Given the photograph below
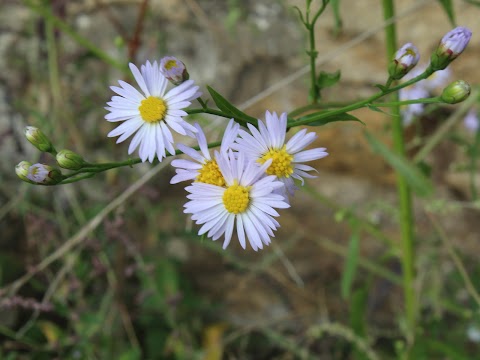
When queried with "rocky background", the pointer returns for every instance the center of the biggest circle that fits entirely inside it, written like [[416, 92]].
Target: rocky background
[[248, 51]]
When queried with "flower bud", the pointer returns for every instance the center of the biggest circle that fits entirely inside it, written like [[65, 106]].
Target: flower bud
[[38, 139], [174, 70], [67, 159], [404, 60], [456, 92], [22, 170], [451, 45], [44, 174]]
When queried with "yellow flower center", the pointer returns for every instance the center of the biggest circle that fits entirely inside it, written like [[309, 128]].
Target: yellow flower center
[[281, 164], [236, 198], [210, 174], [170, 64], [152, 109]]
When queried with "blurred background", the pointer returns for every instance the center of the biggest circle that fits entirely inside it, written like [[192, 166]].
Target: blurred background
[[111, 268]]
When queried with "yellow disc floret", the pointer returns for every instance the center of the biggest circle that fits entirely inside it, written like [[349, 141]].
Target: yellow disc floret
[[152, 109], [170, 64], [282, 162], [210, 174], [236, 198]]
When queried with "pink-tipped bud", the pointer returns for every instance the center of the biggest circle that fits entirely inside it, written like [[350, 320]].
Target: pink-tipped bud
[[404, 60], [451, 45], [44, 174], [174, 70]]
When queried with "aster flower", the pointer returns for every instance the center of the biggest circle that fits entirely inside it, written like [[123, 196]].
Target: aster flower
[[268, 142], [204, 168], [247, 202], [150, 115]]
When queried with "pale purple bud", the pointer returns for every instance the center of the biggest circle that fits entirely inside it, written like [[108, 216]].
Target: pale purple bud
[[451, 45], [404, 60], [174, 70], [44, 174]]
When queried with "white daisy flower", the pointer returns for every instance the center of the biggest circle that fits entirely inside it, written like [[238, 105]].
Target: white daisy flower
[[204, 168], [152, 114], [268, 142], [247, 201]]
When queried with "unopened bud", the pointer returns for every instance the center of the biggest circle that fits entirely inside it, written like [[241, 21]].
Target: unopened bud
[[404, 60], [451, 45], [67, 159], [38, 139], [174, 70], [44, 174], [456, 92], [22, 170]]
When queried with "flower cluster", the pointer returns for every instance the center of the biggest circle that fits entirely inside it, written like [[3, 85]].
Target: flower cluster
[[244, 183]]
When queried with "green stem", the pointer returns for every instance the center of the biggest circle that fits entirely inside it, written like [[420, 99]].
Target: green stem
[[473, 165], [45, 12], [359, 104], [404, 193], [312, 52], [90, 169], [434, 100]]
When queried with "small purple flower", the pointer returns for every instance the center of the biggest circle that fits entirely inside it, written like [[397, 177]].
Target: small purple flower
[[174, 70], [471, 121], [404, 60], [454, 42], [451, 45]]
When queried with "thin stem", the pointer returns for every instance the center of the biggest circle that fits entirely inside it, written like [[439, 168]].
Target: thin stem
[[91, 169], [404, 193], [473, 165], [359, 104], [312, 52]]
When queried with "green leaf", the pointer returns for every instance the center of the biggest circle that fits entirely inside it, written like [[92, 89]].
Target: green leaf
[[224, 105], [333, 118], [414, 177], [336, 14], [326, 79], [448, 7], [377, 109], [351, 262]]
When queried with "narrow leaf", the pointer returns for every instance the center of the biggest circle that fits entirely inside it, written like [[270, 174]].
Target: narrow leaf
[[224, 105], [448, 7], [333, 118], [351, 262], [336, 14], [414, 177]]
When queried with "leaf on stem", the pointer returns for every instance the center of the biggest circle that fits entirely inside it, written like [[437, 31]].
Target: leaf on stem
[[228, 108], [327, 120], [326, 79]]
